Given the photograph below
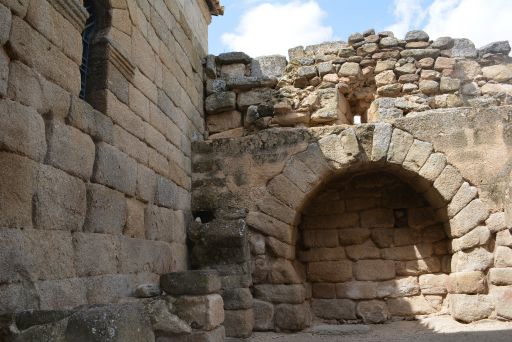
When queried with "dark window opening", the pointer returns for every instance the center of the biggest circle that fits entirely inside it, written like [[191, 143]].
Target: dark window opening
[[87, 36]]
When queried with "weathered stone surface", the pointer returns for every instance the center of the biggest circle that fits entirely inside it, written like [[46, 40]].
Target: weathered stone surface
[[366, 250], [197, 282], [253, 97], [381, 139], [409, 306], [477, 259], [106, 210], [201, 312], [334, 308], [467, 282], [170, 195], [292, 317], [503, 257], [501, 296], [233, 58], [499, 73], [433, 167], [357, 290], [117, 322], [417, 155], [223, 121], [416, 36], [463, 48], [470, 308], [496, 222], [270, 226], [429, 87], [95, 254], [374, 270], [464, 195], [350, 236], [164, 224], [399, 287], [468, 218], [449, 84], [400, 143], [340, 150], [269, 66], [433, 284], [373, 311], [418, 54], [448, 182], [263, 315], [115, 169], [148, 291], [504, 238], [330, 271], [237, 298], [238, 323], [292, 294], [220, 102], [22, 130], [60, 201], [477, 237], [384, 78], [350, 69]]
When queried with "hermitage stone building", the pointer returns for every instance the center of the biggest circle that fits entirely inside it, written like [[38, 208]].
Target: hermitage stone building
[[152, 192]]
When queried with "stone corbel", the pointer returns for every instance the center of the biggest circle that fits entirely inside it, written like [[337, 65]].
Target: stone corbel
[[118, 58], [73, 11]]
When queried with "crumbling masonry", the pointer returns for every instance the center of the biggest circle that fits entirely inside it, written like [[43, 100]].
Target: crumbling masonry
[[150, 191]]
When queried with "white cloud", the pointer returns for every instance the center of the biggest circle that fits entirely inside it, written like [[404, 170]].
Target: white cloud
[[409, 14], [272, 28], [482, 21]]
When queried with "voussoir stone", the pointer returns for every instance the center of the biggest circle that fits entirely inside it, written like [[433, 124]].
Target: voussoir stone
[[468, 218]]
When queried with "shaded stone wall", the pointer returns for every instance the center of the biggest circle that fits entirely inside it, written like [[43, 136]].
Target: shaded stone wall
[[373, 248], [95, 200], [375, 75]]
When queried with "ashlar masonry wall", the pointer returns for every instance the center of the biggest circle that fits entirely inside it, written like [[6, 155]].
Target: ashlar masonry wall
[[95, 197]]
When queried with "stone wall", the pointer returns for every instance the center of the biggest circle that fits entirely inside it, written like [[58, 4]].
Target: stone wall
[[95, 198], [273, 179], [373, 246], [375, 75]]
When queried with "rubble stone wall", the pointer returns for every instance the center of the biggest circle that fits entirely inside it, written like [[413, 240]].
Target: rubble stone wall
[[95, 197], [375, 75]]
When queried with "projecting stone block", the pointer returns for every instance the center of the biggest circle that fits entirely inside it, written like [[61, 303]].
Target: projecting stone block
[[22, 130], [201, 312], [18, 177], [190, 282], [114, 169], [70, 150], [374, 270], [106, 210], [60, 200], [339, 309], [470, 308]]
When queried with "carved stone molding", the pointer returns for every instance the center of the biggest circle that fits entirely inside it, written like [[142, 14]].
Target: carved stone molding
[[73, 11], [118, 58]]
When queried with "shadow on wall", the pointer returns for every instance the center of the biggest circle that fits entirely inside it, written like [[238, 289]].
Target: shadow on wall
[[373, 248]]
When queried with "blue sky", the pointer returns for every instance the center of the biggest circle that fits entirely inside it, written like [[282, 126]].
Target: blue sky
[[262, 27]]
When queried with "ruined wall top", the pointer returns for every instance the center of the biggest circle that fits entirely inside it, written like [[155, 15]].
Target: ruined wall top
[[372, 77]]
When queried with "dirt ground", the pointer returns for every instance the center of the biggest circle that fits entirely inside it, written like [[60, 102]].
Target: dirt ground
[[440, 328]]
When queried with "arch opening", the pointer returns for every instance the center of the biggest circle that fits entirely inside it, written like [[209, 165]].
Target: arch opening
[[373, 248]]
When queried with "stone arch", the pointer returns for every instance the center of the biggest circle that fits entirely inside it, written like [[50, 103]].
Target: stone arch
[[366, 147]]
